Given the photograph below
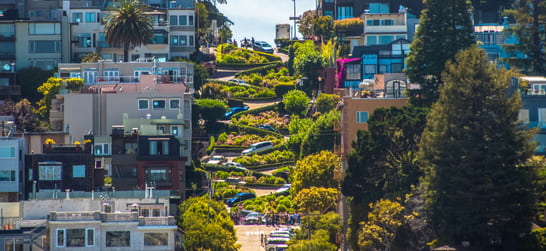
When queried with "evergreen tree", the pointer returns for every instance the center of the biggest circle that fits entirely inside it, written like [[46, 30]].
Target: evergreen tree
[[530, 16], [444, 29], [474, 150]]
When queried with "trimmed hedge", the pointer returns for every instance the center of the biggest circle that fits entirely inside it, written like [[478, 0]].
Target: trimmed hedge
[[272, 165], [274, 107], [283, 88], [211, 145], [262, 70], [242, 66], [253, 130]]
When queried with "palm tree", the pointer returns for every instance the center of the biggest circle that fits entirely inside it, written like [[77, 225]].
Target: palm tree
[[128, 25]]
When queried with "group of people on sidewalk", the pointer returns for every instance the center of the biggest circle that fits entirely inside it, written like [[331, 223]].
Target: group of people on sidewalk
[[245, 43]]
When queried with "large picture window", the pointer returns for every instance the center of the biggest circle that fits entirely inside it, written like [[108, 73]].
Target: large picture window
[[361, 117], [158, 174], [353, 71], [7, 175], [118, 238], [156, 239], [78, 171], [50, 170], [7, 152]]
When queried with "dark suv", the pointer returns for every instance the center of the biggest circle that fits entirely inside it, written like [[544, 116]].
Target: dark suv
[[240, 197]]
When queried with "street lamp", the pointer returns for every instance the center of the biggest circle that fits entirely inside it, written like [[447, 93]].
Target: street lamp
[[294, 17]]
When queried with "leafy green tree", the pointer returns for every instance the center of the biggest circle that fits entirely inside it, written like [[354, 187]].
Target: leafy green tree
[[127, 25], [444, 29], [327, 102], [323, 28], [296, 102], [206, 12], [206, 225], [49, 90], [211, 110], [24, 115], [474, 152], [383, 163], [298, 129], [317, 232], [384, 220], [319, 241], [307, 21], [316, 199], [30, 79], [322, 136], [308, 62], [530, 16], [316, 170]]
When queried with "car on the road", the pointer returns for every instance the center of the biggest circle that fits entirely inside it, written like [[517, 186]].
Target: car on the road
[[267, 127], [262, 46], [284, 189], [217, 160], [235, 165], [238, 81], [234, 110], [239, 197], [256, 147], [254, 218]]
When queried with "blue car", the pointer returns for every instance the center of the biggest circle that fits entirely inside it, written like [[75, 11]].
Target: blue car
[[240, 197], [234, 110]]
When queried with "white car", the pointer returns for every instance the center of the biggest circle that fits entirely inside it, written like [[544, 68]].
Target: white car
[[235, 165], [284, 188], [217, 159]]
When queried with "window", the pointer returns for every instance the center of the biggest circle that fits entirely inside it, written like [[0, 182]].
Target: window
[[176, 131], [158, 104], [49, 171], [344, 12], [84, 40], [329, 13], [159, 38], [524, 115], [89, 237], [91, 17], [75, 237], [159, 147], [61, 237], [118, 238], [78, 171], [8, 175], [44, 46], [361, 117], [156, 239], [158, 174], [542, 116], [13, 244], [382, 68], [174, 104], [143, 104], [372, 22], [44, 29], [182, 20], [77, 17], [190, 40], [387, 22], [370, 69], [386, 39], [181, 41], [371, 40], [7, 152], [102, 149], [353, 71], [190, 20], [396, 68], [173, 20]]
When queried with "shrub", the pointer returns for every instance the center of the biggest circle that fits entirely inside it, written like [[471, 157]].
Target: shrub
[[266, 93], [283, 88], [211, 145]]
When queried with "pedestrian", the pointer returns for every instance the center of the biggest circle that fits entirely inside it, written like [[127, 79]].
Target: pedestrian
[[235, 42], [252, 42]]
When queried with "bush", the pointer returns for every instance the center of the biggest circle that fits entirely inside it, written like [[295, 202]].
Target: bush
[[262, 70], [211, 145], [266, 93], [283, 88]]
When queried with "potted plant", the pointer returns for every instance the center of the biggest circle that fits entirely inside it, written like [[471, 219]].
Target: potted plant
[[49, 143], [77, 144]]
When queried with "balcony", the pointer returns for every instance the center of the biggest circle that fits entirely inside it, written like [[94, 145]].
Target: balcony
[[157, 221], [74, 216], [119, 217], [385, 29]]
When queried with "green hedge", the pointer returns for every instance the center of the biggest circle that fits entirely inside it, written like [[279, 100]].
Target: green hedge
[[253, 130], [262, 70], [211, 145], [257, 111], [272, 165], [229, 148], [242, 66], [282, 88]]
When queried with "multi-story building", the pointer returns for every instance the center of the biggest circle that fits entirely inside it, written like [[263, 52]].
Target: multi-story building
[[12, 165], [145, 98], [173, 30]]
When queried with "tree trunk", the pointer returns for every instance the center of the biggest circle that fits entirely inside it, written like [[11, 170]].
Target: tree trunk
[[126, 52]]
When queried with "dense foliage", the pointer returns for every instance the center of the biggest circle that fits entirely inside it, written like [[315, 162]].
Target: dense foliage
[[296, 102], [316, 170], [474, 152]]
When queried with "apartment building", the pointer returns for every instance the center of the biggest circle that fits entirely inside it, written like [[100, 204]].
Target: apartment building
[[12, 163]]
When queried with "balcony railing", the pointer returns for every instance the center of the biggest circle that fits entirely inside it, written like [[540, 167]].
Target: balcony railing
[[156, 221], [74, 216], [117, 217]]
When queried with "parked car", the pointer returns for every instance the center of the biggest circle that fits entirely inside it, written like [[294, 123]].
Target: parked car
[[235, 165], [239, 197], [262, 46], [217, 160], [234, 110], [256, 147], [267, 127]]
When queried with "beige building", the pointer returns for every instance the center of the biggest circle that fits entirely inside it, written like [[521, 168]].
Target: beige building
[[115, 92]]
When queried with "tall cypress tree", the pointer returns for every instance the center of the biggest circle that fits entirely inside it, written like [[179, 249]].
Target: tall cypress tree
[[530, 16], [444, 29], [473, 151]]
